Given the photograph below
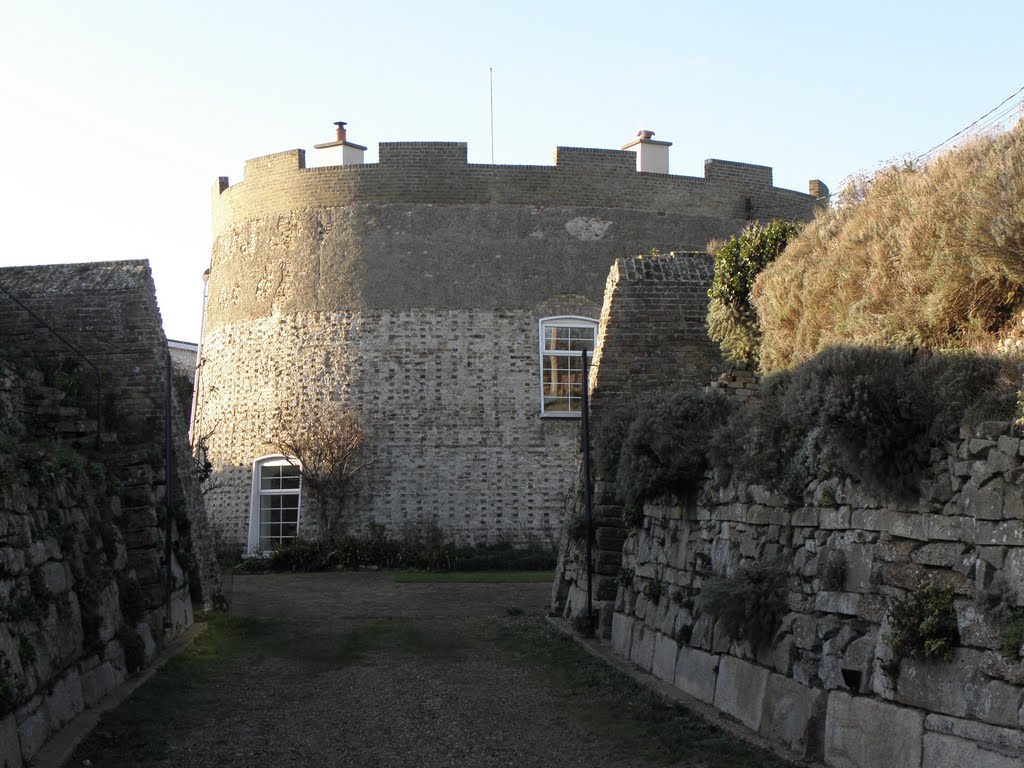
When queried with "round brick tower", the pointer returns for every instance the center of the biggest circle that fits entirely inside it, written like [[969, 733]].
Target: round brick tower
[[418, 293]]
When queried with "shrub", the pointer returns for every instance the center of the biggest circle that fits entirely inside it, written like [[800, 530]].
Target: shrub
[[652, 590], [732, 321], [871, 414], [928, 256], [749, 604], [379, 550], [633, 516], [923, 623], [665, 450]]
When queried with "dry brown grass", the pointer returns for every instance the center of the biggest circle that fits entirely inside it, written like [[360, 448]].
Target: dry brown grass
[[929, 256]]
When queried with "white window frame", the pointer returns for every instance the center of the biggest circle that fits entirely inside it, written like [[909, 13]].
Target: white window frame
[[561, 321], [272, 460]]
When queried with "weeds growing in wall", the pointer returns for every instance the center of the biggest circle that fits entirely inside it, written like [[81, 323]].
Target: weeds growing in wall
[[927, 256], [749, 604], [923, 623]]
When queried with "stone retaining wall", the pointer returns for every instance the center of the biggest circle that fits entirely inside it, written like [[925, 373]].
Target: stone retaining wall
[[828, 685], [84, 593]]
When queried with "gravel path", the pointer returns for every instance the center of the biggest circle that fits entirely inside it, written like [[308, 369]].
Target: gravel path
[[471, 708]]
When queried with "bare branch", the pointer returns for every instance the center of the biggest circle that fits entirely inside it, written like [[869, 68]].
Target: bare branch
[[327, 444]]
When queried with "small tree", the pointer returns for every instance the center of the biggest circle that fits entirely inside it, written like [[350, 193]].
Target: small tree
[[732, 320], [328, 447]]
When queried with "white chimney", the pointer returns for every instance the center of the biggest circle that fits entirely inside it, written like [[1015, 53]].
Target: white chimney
[[341, 151], [651, 155]]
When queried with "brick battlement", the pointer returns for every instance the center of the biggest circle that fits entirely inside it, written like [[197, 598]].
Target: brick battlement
[[439, 173]]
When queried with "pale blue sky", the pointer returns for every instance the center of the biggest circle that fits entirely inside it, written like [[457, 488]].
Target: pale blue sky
[[117, 117]]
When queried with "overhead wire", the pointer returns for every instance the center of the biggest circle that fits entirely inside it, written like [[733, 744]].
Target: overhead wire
[[991, 118]]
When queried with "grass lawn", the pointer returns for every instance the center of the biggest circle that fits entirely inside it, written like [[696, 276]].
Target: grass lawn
[[483, 577], [240, 664]]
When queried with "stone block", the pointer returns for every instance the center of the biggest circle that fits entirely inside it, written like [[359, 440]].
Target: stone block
[[97, 683], [696, 673], [740, 691], [951, 688], [868, 733], [1013, 570], [951, 528], [641, 648], [66, 700], [663, 665], [10, 747], [982, 503], [805, 517], [1008, 445], [1006, 740], [794, 715], [941, 751], [859, 560], [909, 525], [33, 728], [834, 519], [54, 577], [1009, 533], [942, 553], [703, 632], [12, 561], [837, 602], [1000, 703], [980, 446], [1013, 504]]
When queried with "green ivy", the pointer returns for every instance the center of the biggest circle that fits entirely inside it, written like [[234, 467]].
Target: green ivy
[[923, 623], [732, 320]]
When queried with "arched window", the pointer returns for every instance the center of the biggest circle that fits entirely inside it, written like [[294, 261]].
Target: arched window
[[562, 339], [276, 497]]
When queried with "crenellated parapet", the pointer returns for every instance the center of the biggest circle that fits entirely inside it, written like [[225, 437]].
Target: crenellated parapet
[[439, 173]]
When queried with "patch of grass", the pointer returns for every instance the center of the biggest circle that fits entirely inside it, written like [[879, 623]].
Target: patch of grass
[[639, 723], [482, 577], [201, 686], [183, 694]]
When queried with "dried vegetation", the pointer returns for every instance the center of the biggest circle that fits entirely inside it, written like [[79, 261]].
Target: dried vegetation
[[928, 256]]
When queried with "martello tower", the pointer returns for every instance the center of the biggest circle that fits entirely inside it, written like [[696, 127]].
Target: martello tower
[[439, 301]]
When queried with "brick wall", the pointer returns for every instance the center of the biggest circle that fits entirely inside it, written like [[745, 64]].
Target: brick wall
[[410, 291], [652, 336]]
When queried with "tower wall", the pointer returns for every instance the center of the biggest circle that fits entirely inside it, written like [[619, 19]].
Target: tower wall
[[410, 292]]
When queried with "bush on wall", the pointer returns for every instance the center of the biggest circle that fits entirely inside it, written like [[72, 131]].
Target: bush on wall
[[732, 320], [870, 414], [665, 448], [749, 604]]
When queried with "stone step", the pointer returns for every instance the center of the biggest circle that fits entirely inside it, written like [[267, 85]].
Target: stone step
[[51, 408]]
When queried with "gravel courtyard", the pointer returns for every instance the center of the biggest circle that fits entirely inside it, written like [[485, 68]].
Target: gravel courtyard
[[352, 669]]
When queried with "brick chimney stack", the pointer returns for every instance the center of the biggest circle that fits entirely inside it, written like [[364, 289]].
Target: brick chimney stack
[[341, 151], [651, 155]]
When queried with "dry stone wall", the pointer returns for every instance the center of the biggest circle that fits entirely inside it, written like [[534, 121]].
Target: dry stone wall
[[410, 292], [828, 684], [83, 503]]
